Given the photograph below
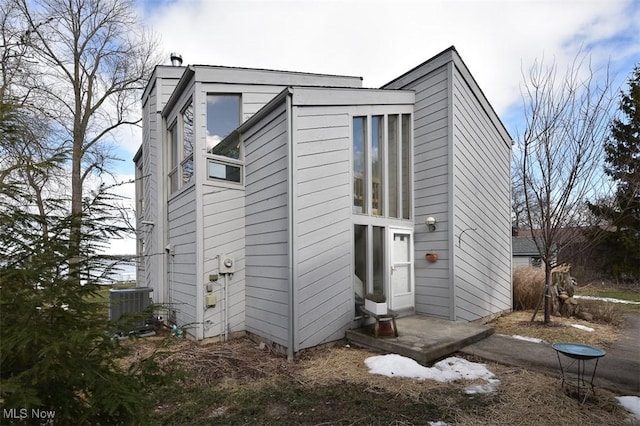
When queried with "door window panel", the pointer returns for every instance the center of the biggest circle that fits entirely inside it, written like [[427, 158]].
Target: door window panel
[[401, 254]]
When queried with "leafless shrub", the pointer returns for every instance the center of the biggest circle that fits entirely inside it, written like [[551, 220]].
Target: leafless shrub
[[604, 312]]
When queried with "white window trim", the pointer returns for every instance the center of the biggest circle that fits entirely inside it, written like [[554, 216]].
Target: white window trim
[[368, 115]]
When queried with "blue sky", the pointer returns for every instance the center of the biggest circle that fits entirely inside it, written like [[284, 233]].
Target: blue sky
[[379, 40]]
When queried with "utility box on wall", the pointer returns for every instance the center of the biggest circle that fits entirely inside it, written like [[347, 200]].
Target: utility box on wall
[[227, 264]]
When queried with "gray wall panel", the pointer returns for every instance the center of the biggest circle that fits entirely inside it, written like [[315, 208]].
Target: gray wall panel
[[266, 183]]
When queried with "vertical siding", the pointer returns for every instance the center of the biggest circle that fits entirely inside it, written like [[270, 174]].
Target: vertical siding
[[431, 191], [322, 214], [150, 188], [482, 216], [266, 227], [182, 265], [223, 226]]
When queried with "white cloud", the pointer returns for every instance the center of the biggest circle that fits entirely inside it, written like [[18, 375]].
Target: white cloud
[[380, 40]]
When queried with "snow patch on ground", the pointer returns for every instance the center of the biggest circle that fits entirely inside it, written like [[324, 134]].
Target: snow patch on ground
[[631, 404], [583, 327], [607, 299], [447, 370], [528, 339]]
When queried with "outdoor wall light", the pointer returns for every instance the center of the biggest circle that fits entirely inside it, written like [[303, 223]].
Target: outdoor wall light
[[431, 223]]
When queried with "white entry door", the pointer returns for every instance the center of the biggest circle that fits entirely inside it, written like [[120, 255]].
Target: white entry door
[[401, 261]]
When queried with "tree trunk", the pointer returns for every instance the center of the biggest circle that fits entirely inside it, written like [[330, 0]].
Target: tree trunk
[[75, 227], [547, 292]]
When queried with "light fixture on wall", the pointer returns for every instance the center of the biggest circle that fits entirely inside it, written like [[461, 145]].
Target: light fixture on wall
[[431, 223]]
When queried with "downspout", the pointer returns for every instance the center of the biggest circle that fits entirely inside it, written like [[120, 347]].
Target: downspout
[[292, 310]]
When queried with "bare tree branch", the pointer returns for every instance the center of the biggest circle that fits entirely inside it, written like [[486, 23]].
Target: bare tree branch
[[560, 156]]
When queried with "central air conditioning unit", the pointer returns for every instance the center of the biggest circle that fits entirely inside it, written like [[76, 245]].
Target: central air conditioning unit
[[129, 301]]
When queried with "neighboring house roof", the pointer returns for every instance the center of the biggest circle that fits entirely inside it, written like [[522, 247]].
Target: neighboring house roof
[[524, 246]]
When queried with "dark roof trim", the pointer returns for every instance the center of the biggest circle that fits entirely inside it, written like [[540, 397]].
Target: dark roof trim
[[428, 61], [177, 92], [137, 155], [274, 70]]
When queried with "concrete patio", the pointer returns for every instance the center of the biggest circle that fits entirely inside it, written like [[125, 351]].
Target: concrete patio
[[422, 338]]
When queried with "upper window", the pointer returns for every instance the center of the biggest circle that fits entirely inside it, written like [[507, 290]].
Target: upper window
[[173, 158], [139, 191], [377, 164], [382, 165], [223, 117], [187, 144], [359, 164], [180, 150]]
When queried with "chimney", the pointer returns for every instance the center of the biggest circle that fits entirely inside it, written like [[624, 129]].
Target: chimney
[[176, 59]]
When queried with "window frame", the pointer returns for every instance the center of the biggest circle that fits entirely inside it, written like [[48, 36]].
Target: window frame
[[173, 157], [232, 137], [402, 157], [225, 137], [186, 159], [177, 161]]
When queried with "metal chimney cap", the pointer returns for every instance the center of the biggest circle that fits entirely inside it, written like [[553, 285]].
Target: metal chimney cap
[[176, 59]]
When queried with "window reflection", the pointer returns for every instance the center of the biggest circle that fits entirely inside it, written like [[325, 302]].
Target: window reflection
[[223, 116], [187, 144], [406, 166], [393, 165], [359, 164], [377, 164], [360, 260]]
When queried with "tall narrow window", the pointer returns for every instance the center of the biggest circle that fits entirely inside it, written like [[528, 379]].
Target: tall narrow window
[[377, 163], [173, 158], [359, 165], [406, 165], [187, 144], [393, 165], [360, 260], [378, 260], [139, 191], [223, 117]]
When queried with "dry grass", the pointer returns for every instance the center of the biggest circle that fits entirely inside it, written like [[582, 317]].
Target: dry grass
[[559, 330], [247, 370], [205, 364], [523, 397], [528, 285]]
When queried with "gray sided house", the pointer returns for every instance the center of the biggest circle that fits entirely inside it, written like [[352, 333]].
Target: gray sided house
[[318, 191]]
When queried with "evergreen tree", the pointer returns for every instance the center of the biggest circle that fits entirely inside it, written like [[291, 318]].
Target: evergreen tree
[[57, 351], [620, 245]]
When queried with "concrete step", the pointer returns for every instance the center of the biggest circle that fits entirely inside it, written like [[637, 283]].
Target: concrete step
[[422, 338]]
